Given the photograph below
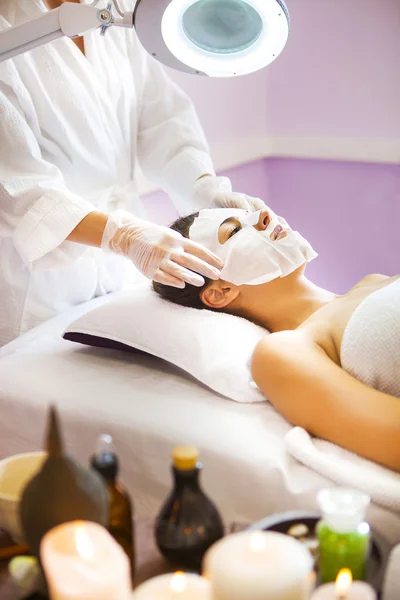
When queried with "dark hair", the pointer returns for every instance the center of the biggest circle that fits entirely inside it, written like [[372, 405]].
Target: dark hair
[[190, 294]]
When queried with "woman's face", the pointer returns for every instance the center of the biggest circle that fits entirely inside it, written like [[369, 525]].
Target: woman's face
[[232, 225], [256, 247]]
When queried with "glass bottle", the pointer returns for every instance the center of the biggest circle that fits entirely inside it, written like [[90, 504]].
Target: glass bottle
[[344, 536], [120, 525], [188, 523]]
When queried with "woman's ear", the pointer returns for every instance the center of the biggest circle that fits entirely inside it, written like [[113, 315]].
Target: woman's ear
[[219, 294]]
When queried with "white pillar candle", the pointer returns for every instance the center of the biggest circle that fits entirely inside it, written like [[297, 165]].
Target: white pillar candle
[[83, 562], [259, 566], [179, 586], [344, 589]]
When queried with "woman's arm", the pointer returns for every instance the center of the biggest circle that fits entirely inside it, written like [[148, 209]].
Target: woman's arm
[[90, 230], [311, 391]]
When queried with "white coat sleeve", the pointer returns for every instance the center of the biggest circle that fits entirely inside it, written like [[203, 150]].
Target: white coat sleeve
[[172, 149], [36, 209]]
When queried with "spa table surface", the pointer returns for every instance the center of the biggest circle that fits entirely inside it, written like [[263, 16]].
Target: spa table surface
[[149, 562]]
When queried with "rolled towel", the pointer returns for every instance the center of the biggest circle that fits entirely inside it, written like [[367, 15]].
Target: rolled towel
[[345, 468], [391, 582]]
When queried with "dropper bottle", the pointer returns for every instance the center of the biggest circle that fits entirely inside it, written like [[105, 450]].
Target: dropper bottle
[[105, 461]]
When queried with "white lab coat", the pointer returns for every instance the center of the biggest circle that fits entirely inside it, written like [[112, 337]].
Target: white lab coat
[[72, 129]]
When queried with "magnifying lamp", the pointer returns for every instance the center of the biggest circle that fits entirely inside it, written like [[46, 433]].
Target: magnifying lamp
[[217, 38]]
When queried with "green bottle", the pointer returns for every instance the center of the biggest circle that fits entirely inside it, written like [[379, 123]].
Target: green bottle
[[344, 536]]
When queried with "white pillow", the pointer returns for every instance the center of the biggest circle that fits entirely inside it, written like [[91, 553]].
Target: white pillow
[[214, 348]]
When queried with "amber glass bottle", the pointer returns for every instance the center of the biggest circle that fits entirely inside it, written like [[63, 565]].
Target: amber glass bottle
[[188, 523], [120, 525]]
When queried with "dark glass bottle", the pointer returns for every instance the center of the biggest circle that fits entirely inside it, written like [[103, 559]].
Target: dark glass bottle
[[188, 523], [120, 525]]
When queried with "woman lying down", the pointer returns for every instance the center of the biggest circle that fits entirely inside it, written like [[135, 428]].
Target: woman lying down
[[331, 363]]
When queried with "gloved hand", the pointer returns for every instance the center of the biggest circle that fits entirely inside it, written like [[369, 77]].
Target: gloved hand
[[158, 252], [216, 192]]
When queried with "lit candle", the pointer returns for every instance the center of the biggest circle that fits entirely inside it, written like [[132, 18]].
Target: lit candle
[[344, 589], [82, 562], [179, 586], [259, 566]]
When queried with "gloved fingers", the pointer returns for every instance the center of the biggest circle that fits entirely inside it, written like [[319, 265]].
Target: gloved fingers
[[170, 267], [256, 203], [238, 200], [209, 264], [232, 200], [205, 188], [167, 279], [192, 262], [206, 262]]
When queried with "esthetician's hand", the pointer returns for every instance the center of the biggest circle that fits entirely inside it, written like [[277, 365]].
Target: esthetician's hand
[[216, 192], [158, 252]]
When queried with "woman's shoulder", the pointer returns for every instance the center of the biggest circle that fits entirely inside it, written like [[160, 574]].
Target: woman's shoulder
[[326, 328], [283, 361], [323, 333], [285, 346], [374, 279]]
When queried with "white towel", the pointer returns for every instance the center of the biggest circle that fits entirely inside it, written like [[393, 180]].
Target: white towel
[[391, 583], [345, 468], [370, 349]]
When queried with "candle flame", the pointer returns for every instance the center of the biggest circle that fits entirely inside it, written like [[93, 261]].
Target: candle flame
[[257, 541], [178, 583], [83, 543], [343, 583]]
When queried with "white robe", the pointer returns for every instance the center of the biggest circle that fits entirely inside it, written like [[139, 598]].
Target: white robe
[[72, 130]]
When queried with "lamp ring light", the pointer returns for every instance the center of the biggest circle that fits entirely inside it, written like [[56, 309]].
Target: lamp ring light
[[218, 38]]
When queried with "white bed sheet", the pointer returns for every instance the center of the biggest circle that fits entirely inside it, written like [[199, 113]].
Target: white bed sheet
[[149, 406]]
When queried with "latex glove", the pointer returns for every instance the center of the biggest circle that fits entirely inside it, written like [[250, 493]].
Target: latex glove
[[216, 192], [158, 252]]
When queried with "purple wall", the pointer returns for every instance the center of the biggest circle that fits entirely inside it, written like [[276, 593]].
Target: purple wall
[[338, 75], [251, 178], [350, 212]]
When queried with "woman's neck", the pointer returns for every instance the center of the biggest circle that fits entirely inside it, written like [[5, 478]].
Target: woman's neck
[[284, 303]]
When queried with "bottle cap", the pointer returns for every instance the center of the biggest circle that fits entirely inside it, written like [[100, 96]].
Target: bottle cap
[[104, 444], [343, 508], [185, 457], [105, 459]]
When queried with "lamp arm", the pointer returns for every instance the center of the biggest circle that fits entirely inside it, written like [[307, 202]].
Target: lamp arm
[[70, 19]]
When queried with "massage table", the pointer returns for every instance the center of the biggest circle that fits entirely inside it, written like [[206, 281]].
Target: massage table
[[149, 406]]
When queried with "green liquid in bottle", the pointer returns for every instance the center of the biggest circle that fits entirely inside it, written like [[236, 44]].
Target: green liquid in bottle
[[343, 534], [342, 551]]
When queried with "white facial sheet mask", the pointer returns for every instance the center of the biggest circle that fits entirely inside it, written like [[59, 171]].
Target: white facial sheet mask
[[250, 256]]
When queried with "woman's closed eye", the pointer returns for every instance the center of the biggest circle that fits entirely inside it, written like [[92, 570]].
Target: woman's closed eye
[[234, 229], [228, 229]]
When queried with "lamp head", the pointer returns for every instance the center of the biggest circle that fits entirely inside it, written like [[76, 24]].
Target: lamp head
[[217, 38]]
